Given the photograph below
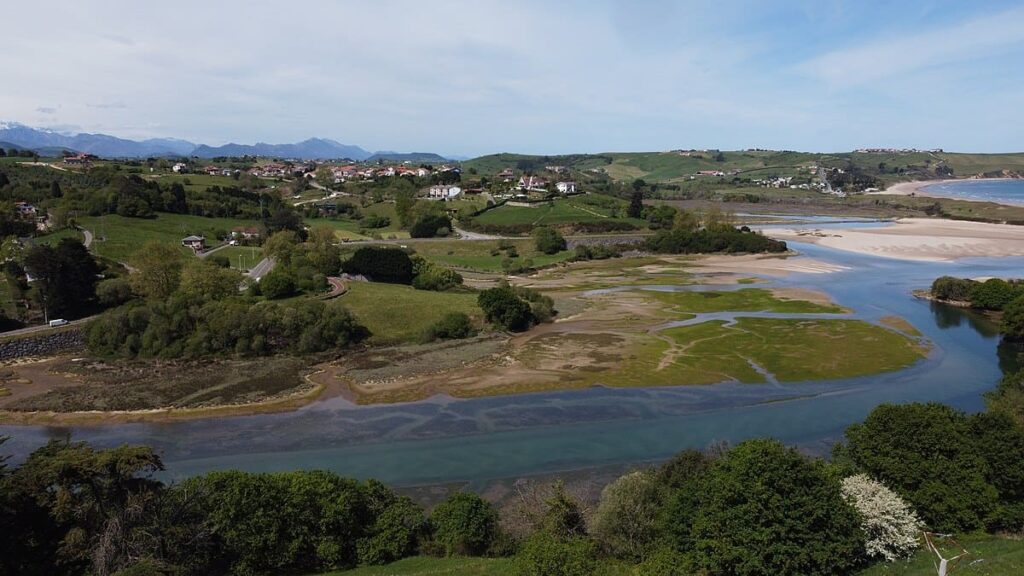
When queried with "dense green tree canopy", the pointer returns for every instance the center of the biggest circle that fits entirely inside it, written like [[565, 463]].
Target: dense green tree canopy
[[925, 452], [767, 509]]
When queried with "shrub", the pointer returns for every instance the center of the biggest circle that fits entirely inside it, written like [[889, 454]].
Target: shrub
[[546, 555], [452, 326], [766, 509], [397, 524], [548, 240], [436, 278], [375, 221], [666, 561], [114, 291], [430, 226], [891, 528], [595, 252], [465, 524], [706, 241], [626, 519], [381, 264], [503, 307]]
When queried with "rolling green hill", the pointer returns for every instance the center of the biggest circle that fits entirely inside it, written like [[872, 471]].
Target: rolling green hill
[[677, 165]]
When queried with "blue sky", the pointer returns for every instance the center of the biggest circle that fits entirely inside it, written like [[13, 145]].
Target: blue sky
[[477, 77]]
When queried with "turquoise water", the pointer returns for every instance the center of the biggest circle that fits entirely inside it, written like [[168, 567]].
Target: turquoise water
[[479, 440], [1003, 191]]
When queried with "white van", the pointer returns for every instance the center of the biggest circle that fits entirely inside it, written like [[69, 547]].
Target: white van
[[58, 322]]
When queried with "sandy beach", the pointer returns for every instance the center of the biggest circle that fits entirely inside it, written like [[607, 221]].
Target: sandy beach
[[916, 188], [918, 239]]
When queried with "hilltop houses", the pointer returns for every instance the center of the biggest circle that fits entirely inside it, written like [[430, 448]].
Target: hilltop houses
[[444, 192], [566, 187], [79, 159], [532, 184]]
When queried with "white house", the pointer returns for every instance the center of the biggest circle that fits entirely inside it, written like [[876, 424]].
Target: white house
[[179, 167], [566, 187], [532, 183], [196, 243], [445, 192]]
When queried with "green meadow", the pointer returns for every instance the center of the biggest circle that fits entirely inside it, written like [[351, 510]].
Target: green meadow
[[118, 237]]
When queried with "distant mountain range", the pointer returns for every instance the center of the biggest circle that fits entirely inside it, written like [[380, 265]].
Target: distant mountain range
[[103, 145]]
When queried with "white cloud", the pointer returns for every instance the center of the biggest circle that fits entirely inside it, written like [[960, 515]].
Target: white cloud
[[874, 61]]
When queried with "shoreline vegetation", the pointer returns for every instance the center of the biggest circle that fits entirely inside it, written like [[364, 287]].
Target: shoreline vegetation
[[611, 331]]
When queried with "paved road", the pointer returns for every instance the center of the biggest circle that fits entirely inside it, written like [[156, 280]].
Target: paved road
[[212, 250], [45, 327], [467, 235], [261, 269]]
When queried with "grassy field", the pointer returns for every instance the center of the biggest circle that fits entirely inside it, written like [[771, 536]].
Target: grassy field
[[745, 300], [559, 212], [200, 182], [118, 237], [790, 350], [353, 230], [989, 556], [241, 257], [478, 255], [426, 566], [53, 238], [396, 313]]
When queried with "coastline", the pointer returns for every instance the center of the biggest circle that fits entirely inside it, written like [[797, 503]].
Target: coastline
[[917, 187], [920, 239]]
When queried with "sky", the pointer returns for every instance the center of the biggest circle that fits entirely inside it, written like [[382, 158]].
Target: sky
[[475, 77]]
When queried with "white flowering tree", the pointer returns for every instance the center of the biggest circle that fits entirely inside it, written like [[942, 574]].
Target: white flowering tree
[[891, 527]]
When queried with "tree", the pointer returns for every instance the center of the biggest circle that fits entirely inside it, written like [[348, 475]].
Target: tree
[[953, 289], [281, 246], [636, 204], [924, 453], [65, 277], [278, 283], [993, 294], [503, 307], [999, 439], [78, 509], [381, 264], [465, 524], [158, 268], [204, 280], [891, 527], [322, 250], [626, 519], [1012, 324], [767, 509], [452, 326], [548, 240]]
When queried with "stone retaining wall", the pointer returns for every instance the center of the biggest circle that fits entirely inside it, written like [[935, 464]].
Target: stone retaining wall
[[45, 345]]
